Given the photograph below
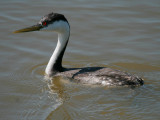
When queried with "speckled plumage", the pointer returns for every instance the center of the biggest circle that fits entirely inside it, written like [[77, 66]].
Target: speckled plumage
[[100, 76]]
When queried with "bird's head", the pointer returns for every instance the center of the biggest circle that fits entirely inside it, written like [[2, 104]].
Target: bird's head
[[51, 22]]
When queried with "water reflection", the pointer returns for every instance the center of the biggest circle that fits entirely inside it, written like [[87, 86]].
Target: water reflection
[[56, 85]]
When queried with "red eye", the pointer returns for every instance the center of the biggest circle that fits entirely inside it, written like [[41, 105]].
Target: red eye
[[44, 23]]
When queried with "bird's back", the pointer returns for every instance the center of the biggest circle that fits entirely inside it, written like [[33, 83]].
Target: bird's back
[[101, 76]]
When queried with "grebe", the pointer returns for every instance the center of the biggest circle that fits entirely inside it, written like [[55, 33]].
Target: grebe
[[90, 75]]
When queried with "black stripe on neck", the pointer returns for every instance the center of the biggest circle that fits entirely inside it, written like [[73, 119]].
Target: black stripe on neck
[[57, 67]]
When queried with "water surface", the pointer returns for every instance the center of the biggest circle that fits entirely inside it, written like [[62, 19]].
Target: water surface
[[119, 34]]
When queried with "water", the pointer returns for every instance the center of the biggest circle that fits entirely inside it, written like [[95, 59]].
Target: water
[[119, 34]]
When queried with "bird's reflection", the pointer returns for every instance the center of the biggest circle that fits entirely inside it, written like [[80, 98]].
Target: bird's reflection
[[57, 85]]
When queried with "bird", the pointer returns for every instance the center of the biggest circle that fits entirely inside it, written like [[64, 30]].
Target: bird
[[104, 76]]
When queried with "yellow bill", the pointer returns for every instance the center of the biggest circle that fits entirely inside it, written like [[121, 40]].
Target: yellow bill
[[29, 29]]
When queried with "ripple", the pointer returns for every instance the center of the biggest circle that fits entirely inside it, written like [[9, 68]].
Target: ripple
[[37, 70]]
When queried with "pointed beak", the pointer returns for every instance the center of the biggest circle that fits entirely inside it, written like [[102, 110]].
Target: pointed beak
[[29, 29]]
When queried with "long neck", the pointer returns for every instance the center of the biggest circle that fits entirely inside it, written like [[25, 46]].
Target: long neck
[[55, 62]]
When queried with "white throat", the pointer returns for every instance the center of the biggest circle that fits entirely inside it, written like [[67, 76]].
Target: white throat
[[55, 62]]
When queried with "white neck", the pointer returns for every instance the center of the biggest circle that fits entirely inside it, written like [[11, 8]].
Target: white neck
[[55, 62]]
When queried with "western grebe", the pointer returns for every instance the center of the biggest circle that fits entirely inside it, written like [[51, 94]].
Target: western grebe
[[90, 75]]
